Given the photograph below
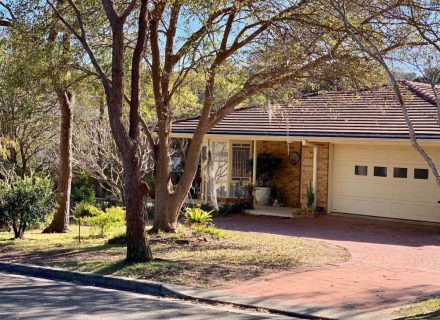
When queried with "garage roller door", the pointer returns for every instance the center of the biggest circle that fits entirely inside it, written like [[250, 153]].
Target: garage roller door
[[385, 181]]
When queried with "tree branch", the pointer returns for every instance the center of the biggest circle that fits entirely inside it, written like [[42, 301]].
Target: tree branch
[[82, 39]]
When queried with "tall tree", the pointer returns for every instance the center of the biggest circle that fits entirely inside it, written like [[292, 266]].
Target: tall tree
[[39, 34], [261, 44], [126, 137], [264, 44], [369, 39]]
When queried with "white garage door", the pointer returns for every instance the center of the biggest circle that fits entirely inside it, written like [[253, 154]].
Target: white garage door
[[384, 181]]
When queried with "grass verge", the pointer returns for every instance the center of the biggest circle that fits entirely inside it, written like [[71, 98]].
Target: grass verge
[[424, 309], [192, 257]]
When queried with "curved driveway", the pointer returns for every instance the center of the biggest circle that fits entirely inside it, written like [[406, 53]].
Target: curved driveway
[[392, 263]]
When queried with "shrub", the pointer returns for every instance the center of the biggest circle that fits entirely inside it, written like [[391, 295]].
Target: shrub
[[230, 208], [25, 202], [82, 190], [267, 166], [207, 207], [103, 221], [83, 209], [197, 216]]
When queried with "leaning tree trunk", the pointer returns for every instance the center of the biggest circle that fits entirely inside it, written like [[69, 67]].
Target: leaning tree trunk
[[168, 202], [60, 222], [163, 189]]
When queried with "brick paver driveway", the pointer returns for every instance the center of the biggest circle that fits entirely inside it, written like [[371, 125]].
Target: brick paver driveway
[[392, 263]]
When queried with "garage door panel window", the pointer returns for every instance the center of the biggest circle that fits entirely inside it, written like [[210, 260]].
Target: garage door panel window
[[380, 171], [400, 173], [421, 174], [360, 170], [399, 187]]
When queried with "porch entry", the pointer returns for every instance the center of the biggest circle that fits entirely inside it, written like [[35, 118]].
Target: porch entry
[[234, 167]]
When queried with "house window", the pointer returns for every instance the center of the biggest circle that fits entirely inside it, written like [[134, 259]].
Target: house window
[[420, 173], [380, 171], [240, 157], [361, 170], [400, 173], [217, 169], [240, 176]]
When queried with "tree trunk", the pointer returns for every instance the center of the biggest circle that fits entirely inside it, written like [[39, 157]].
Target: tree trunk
[[99, 189], [165, 210], [18, 230], [19, 234], [168, 203], [137, 249], [60, 222]]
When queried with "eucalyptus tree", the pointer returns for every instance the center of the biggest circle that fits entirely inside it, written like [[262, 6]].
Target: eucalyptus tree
[[35, 33], [259, 44], [424, 18], [268, 43], [383, 29], [27, 112]]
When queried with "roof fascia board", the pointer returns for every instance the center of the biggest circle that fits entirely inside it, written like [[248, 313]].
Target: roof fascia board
[[341, 140]]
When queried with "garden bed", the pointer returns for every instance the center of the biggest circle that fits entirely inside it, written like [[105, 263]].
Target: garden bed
[[192, 258]]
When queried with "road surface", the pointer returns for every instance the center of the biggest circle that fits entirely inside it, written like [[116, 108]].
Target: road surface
[[33, 298]]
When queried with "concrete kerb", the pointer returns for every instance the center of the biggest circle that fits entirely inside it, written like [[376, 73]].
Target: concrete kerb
[[136, 286]]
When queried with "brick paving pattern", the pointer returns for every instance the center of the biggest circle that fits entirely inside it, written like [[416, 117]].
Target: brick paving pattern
[[392, 263]]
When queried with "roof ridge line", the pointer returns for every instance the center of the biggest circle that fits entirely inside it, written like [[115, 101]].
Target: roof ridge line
[[414, 89]]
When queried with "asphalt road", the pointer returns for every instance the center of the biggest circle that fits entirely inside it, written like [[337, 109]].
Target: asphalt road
[[33, 298]]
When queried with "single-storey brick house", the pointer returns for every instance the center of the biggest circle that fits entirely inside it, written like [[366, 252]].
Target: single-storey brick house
[[352, 147]]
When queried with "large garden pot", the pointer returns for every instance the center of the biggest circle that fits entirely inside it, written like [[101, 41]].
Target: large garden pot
[[262, 196]]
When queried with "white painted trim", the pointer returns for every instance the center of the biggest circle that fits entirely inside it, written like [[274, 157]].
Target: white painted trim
[[208, 143], [315, 173], [228, 186], [254, 167], [254, 164], [330, 178]]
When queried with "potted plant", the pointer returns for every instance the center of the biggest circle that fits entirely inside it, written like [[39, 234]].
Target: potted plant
[[249, 192], [267, 166]]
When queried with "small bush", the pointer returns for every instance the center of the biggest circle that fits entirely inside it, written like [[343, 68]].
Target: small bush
[[207, 207], [197, 216], [82, 190], [103, 221], [25, 202], [84, 209], [231, 208]]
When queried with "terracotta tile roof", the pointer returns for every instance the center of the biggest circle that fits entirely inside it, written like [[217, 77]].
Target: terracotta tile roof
[[372, 113], [424, 90]]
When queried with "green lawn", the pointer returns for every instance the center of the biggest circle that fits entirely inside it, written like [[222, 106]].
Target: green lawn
[[425, 309], [206, 261]]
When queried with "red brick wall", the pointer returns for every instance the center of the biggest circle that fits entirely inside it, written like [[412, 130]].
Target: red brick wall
[[287, 179]]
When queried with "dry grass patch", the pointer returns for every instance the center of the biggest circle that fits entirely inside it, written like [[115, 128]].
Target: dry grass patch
[[189, 257], [424, 309]]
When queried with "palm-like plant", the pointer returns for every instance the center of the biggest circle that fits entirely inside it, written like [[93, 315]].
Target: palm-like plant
[[197, 216]]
